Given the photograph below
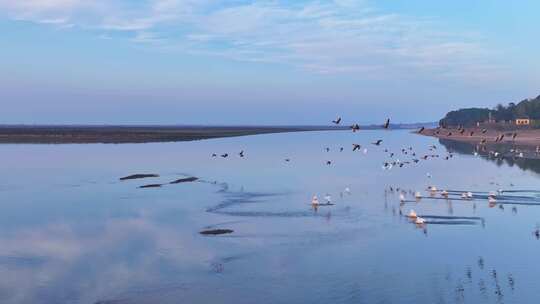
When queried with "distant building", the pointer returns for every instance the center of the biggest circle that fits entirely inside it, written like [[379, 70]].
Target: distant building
[[523, 121]]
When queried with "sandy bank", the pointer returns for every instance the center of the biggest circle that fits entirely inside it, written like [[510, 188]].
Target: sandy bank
[[529, 137]]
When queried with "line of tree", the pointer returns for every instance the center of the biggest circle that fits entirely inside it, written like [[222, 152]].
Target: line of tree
[[528, 108]]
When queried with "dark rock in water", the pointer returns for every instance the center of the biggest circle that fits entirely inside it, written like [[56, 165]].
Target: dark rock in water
[[151, 186], [136, 176], [184, 180], [216, 231]]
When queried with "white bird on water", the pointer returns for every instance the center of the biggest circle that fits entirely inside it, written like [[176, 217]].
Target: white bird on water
[[419, 221], [328, 198], [401, 197], [418, 195]]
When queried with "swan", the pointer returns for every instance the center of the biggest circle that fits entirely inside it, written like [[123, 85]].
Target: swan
[[401, 197], [328, 199]]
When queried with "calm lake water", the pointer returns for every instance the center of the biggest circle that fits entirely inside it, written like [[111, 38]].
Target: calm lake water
[[71, 232]]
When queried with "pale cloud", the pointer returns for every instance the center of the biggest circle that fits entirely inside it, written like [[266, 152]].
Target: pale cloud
[[323, 36]]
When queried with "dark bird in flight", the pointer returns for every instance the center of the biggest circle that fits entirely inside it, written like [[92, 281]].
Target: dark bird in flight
[[462, 131], [287, 159], [378, 142], [472, 133], [225, 155], [386, 123], [337, 121], [355, 127], [356, 147], [241, 154], [327, 149], [328, 162], [341, 149], [483, 141], [214, 155], [449, 134], [484, 131], [514, 136], [421, 130]]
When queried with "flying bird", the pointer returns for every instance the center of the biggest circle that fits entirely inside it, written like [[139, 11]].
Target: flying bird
[[337, 121], [214, 155], [328, 162], [356, 147], [355, 127], [241, 154], [225, 155], [386, 123], [378, 142], [421, 130]]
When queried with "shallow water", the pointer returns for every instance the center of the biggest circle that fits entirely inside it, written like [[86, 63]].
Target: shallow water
[[71, 232]]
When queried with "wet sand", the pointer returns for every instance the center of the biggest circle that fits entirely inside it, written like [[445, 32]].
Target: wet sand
[[525, 137], [136, 134]]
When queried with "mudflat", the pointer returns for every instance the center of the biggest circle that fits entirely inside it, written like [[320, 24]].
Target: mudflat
[[25, 134], [526, 137]]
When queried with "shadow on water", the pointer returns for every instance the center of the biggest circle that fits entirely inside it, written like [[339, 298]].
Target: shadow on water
[[507, 154], [239, 198]]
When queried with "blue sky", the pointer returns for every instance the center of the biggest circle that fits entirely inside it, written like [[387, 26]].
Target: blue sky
[[262, 62]]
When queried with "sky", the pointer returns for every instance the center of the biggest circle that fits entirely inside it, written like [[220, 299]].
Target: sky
[[262, 61]]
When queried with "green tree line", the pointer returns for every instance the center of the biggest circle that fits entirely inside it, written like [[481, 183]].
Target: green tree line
[[528, 108]]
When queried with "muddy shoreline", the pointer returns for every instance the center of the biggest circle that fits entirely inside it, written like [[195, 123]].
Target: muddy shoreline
[[525, 137], [136, 134]]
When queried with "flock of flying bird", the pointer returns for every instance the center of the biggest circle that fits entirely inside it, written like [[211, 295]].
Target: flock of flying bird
[[414, 157]]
